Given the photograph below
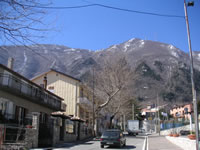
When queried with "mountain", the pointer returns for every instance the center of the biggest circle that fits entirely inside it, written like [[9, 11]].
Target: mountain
[[163, 69]]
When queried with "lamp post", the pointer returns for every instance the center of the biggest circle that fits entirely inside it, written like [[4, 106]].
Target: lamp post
[[192, 75]]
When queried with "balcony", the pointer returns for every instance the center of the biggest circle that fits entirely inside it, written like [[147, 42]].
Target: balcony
[[24, 88], [85, 103]]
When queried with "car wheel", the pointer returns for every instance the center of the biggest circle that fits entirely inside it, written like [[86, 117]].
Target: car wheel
[[102, 146], [120, 145], [124, 143]]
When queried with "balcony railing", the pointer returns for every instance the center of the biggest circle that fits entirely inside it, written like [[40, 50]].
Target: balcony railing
[[30, 91]]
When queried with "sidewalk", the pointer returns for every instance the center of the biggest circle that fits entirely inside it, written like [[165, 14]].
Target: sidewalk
[[161, 143]]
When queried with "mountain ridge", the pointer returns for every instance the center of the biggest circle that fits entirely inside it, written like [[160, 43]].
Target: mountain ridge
[[158, 64]]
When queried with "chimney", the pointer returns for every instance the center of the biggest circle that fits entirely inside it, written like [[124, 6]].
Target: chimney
[[10, 63], [45, 82]]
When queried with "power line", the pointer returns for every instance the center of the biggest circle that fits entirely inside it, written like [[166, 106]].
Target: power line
[[109, 7], [140, 12], [60, 7]]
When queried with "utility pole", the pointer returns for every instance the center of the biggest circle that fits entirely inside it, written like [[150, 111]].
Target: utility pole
[[124, 122], [93, 116], [192, 75], [133, 110], [158, 114]]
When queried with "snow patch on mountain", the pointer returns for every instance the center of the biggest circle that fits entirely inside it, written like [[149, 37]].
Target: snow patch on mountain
[[126, 46], [141, 43], [52, 65], [112, 47], [79, 57], [24, 63], [198, 56], [131, 40], [71, 50], [99, 50], [171, 47]]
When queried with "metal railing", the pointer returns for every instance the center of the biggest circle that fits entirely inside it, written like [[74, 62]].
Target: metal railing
[[10, 119], [169, 124], [32, 92]]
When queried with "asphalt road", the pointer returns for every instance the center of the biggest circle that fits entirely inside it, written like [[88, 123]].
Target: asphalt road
[[132, 143]]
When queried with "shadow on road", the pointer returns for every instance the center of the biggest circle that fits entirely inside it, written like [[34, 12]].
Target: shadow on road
[[125, 147]]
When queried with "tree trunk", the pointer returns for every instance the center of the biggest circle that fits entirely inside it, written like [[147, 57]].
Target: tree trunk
[[111, 125]]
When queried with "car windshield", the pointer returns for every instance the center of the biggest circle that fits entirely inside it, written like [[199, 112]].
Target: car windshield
[[110, 134]]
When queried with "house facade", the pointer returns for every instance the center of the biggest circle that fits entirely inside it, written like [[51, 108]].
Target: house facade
[[76, 97], [27, 107], [70, 89], [183, 111]]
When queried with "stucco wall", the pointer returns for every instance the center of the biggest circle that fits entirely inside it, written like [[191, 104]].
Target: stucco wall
[[64, 86]]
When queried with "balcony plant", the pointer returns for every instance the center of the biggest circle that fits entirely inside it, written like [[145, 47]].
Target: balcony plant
[[192, 135], [175, 135], [171, 134]]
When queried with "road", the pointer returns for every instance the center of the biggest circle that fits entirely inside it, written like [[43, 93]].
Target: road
[[132, 143]]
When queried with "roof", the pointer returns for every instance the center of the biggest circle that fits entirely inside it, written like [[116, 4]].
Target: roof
[[77, 119], [57, 72], [27, 80], [179, 106], [60, 114]]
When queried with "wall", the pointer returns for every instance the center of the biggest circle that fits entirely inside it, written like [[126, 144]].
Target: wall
[[31, 138], [178, 129], [64, 86], [84, 132], [32, 107]]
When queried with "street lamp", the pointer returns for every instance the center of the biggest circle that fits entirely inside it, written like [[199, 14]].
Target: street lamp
[[192, 75]]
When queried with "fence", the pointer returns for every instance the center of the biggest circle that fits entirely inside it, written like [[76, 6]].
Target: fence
[[168, 124], [12, 137]]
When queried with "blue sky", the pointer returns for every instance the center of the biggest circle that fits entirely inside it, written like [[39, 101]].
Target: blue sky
[[97, 28]]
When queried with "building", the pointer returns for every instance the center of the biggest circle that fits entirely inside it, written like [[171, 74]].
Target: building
[[75, 95], [26, 108], [77, 98], [183, 111]]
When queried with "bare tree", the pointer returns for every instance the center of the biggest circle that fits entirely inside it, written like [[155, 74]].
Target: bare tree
[[112, 79], [21, 21]]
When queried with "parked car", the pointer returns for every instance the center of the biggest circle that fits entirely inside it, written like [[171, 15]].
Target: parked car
[[113, 137], [184, 132]]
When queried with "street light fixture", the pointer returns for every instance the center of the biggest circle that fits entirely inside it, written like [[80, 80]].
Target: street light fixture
[[192, 75]]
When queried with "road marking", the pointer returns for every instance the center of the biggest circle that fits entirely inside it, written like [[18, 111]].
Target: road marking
[[146, 144]]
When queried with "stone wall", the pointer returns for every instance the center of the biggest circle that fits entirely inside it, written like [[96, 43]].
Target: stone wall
[[31, 138], [84, 132]]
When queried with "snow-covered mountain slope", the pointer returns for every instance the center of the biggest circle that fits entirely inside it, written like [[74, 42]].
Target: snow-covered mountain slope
[[166, 67]]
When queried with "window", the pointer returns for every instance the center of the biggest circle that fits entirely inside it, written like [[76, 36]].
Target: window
[[69, 126], [43, 117], [20, 114]]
